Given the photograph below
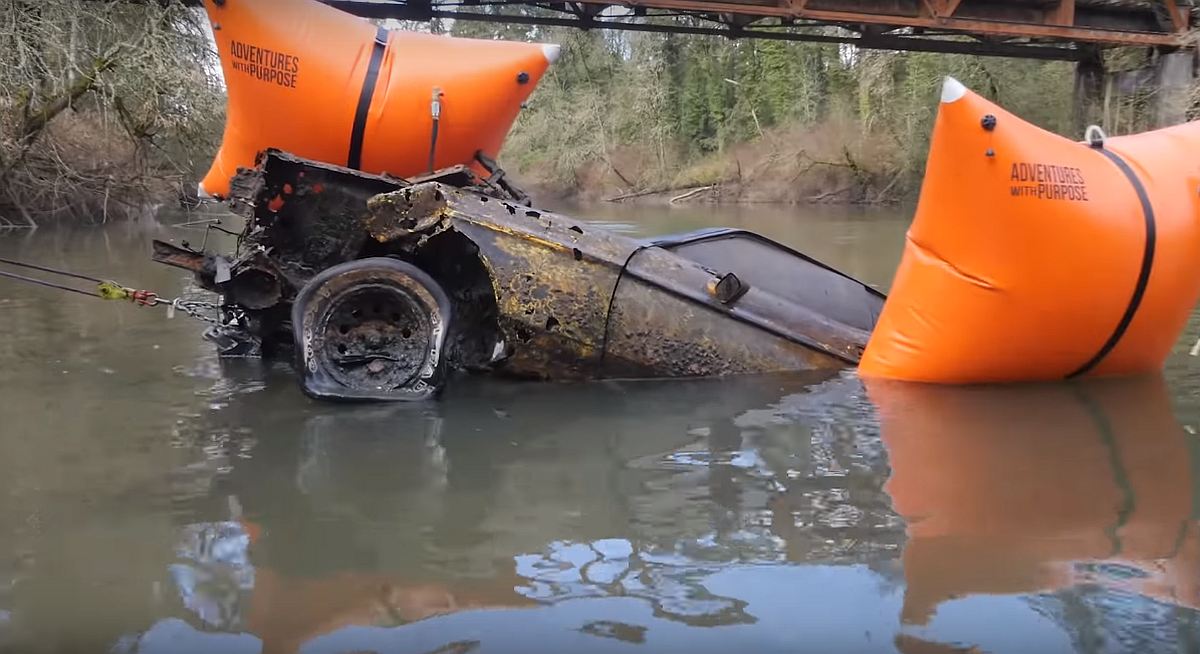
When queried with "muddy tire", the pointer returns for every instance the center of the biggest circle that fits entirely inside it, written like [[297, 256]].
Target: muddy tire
[[371, 329]]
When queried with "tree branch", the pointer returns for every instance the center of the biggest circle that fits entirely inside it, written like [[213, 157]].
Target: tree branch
[[37, 120]]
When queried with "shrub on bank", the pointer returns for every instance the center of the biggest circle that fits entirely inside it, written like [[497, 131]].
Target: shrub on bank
[[104, 106]]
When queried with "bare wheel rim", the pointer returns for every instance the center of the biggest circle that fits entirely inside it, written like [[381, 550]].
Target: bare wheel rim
[[374, 336]]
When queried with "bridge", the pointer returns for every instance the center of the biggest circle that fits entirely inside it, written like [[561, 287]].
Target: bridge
[[1043, 29]]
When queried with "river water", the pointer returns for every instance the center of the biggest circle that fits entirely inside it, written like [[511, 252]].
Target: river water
[[154, 499]]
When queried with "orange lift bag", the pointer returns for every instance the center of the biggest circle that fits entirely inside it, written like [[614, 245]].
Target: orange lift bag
[[325, 85], [1034, 257]]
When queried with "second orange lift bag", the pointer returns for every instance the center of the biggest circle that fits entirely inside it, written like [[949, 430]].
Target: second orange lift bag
[[325, 85], [1034, 257]]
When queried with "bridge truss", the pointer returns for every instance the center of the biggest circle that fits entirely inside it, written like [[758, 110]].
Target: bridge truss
[[1040, 29]]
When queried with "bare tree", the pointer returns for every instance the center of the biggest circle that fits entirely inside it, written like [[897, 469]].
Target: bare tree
[[104, 106]]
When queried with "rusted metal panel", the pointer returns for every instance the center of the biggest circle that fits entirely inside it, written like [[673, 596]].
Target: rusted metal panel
[[309, 214], [786, 273], [575, 301], [552, 275], [552, 306], [940, 8], [655, 334], [663, 319], [1179, 15], [177, 257], [1064, 14], [1010, 22]]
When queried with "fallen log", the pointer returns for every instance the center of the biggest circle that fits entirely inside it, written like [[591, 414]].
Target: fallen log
[[693, 192], [828, 194], [663, 189], [638, 194]]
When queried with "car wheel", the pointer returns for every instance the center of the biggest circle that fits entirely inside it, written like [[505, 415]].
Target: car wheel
[[371, 329]]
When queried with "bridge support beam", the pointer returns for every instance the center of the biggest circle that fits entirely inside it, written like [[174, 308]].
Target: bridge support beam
[[1156, 95], [1176, 73]]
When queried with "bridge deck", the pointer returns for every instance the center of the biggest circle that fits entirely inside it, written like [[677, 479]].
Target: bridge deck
[[1065, 29]]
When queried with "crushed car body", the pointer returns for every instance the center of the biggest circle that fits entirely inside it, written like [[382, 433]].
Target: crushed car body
[[380, 288]]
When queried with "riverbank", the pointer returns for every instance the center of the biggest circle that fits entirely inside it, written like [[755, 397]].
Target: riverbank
[[830, 163], [703, 120]]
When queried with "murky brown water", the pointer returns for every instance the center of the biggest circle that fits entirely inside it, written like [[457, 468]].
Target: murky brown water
[[153, 499]]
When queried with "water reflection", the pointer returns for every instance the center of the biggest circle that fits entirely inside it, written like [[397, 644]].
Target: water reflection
[[154, 500], [1080, 496], [694, 517], [502, 496]]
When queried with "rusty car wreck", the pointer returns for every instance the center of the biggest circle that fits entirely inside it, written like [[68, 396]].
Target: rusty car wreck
[[381, 288]]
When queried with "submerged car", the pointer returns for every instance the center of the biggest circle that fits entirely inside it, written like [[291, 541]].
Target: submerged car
[[381, 287]]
